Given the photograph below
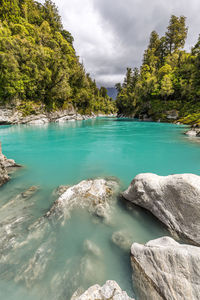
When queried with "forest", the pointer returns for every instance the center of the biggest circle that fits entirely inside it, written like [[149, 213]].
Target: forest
[[39, 67], [167, 81]]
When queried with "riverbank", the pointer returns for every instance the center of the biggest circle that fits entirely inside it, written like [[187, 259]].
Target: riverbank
[[11, 116], [194, 128]]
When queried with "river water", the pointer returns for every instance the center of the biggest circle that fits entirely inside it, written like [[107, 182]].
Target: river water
[[39, 260]]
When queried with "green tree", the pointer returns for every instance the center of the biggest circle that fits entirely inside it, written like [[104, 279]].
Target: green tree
[[169, 78], [103, 92], [51, 15], [166, 87], [38, 63], [176, 33]]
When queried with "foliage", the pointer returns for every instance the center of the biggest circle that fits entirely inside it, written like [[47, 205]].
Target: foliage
[[38, 63], [169, 78], [191, 119]]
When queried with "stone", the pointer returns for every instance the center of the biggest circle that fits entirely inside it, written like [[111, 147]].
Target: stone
[[95, 195], [39, 121], [64, 119], [40, 117], [166, 270], [91, 248], [174, 200], [60, 190], [5, 165], [193, 132], [172, 114], [3, 174], [5, 116], [122, 239], [109, 291]]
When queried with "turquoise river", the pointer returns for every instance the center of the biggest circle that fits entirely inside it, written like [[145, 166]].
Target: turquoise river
[[52, 264]]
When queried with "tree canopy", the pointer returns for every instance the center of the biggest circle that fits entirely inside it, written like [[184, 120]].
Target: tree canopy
[[168, 79], [38, 63]]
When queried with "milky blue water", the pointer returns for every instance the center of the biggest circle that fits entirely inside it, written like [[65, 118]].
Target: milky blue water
[[65, 154]]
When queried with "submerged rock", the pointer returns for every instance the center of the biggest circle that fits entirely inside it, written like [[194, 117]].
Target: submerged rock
[[29, 192], [122, 239], [94, 195], [91, 248], [174, 200], [109, 291], [77, 271], [42, 235], [15, 215], [166, 270], [60, 190]]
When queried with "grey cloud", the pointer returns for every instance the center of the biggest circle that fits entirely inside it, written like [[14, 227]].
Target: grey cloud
[[111, 35]]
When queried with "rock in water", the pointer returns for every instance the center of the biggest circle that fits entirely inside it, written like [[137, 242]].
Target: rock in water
[[3, 174], [94, 195], [122, 239], [166, 270], [5, 165], [193, 133], [91, 249], [109, 291], [174, 200]]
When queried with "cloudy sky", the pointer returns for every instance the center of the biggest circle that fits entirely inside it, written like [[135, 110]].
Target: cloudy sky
[[111, 35]]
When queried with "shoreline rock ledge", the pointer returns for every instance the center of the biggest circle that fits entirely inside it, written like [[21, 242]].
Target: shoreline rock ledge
[[5, 165], [194, 131], [166, 270], [109, 291], [173, 199]]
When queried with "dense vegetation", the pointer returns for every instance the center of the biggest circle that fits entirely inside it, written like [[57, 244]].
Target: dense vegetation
[[168, 80], [38, 63]]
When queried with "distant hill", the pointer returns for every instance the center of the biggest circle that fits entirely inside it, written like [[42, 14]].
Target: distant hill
[[112, 92]]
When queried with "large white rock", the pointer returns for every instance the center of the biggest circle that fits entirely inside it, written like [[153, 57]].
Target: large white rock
[[174, 200], [95, 195], [166, 270], [109, 291]]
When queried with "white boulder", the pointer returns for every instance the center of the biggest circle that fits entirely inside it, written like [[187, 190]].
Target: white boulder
[[109, 291], [166, 270], [174, 200]]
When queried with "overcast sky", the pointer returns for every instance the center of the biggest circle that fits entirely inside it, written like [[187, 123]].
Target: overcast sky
[[111, 35]]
